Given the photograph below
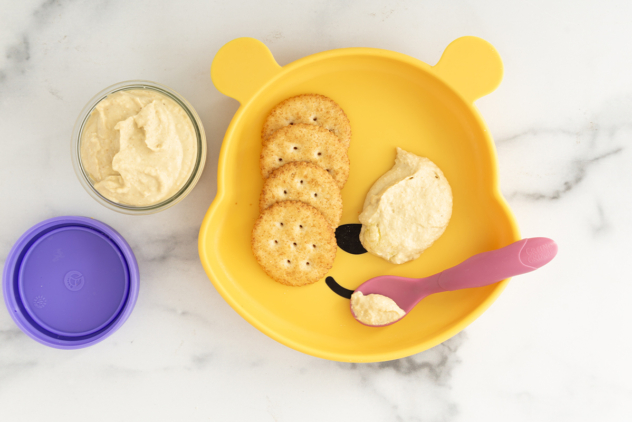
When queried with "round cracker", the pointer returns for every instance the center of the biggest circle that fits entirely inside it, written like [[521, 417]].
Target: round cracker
[[305, 182], [311, 109], [307, 143], [294, 243]]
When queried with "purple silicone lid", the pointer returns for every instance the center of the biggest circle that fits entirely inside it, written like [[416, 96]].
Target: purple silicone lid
[[70, 282]]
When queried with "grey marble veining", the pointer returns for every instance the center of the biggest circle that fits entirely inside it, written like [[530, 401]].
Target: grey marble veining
[[552, 348], [598, 141], [428, 373]]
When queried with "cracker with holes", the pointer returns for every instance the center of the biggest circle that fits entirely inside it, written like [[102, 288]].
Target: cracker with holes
[[307, 143], [305, 182], [294, 243], [311, 109]]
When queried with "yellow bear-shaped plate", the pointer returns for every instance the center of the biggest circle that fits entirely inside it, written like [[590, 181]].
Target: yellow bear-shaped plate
[[392, 100]]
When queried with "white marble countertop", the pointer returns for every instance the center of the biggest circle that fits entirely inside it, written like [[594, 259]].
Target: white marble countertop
[[550, 349]]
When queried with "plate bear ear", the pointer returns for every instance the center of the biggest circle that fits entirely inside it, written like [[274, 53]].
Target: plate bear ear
[[241, 67], [471, 66], [348, 239]]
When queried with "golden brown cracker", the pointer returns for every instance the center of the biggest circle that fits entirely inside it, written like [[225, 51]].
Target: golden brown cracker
[[311, 109], [307, 143], [294, 243], [305, 182]]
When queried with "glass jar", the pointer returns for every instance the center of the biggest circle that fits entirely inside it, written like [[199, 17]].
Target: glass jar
[[87, 182]]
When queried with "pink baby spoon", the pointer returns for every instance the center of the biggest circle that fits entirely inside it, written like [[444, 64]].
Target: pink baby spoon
[[480, 270]]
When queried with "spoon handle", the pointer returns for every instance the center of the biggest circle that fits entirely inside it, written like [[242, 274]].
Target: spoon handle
[[490, 267]]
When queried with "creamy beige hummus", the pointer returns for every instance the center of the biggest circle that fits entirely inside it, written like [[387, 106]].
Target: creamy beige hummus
[[406, 210], [375, 309], [138, 147]]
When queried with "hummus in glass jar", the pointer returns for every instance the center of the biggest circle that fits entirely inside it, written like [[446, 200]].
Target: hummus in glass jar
[[138, 147]]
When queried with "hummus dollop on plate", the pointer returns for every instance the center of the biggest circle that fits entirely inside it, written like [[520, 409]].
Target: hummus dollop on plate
[[406, 209]]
